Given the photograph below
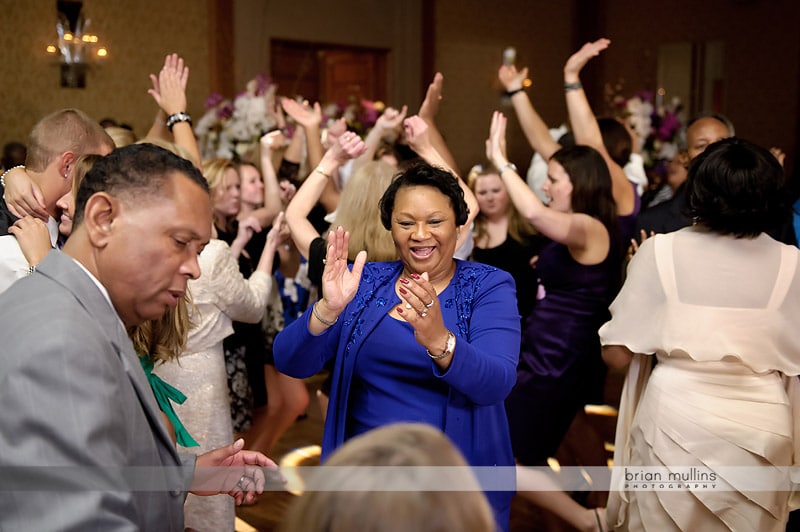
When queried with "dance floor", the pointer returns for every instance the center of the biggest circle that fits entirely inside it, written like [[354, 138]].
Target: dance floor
[[267, 513]]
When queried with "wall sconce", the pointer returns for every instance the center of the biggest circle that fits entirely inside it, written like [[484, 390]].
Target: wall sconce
[[76, 46]]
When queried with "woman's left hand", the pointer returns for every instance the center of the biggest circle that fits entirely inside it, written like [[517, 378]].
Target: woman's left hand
[[578, 60], [424, 314], [33, 238], [496, 143]]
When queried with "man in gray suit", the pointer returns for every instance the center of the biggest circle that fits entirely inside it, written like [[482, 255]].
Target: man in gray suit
[[82, 443]]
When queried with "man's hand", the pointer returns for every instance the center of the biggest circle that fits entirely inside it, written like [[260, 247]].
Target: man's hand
[[232, 470]]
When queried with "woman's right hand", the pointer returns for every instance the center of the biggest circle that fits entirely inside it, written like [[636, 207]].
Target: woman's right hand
[[23, 196], [511, 78], [278, 234], [247, 227], [340, 283]]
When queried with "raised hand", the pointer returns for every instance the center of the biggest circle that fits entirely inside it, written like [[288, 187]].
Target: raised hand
[[496, 143], [302, 114], [578, 60], [337, 129], [348, 146], [340, 283], [278, 234], [391, 119], [169, 88], [511, 78], [273, 140], [430, 105], [417, 133], [778, 154]]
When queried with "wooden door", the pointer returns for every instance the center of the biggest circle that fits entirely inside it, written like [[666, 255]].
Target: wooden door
[[329, 73]]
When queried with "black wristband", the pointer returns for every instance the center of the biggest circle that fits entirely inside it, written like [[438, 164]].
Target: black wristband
[[178, 117], [512, 93], [576, 85]]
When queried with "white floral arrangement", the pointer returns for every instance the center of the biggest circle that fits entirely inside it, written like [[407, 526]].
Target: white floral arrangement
[[232, 129], [658, 125]]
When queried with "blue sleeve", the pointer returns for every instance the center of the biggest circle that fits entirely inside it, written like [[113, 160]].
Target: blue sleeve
[[300, 354], [485, 368]]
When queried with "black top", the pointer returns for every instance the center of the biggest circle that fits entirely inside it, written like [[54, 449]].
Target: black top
[[514, 257]]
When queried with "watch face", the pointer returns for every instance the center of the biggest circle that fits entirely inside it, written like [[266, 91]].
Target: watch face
[[451, 343]]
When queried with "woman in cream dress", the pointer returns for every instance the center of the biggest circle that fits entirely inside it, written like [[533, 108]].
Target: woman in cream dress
[[718, 304], [221, 294]]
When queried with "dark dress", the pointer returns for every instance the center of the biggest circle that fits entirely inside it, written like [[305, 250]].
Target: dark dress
[[560, 368], [246, 350], [514, 257]]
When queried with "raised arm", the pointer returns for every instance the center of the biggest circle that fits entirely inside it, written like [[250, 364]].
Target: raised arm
[[388, 126], [534, 128], [169, 92], [577, 231], [584, 123], [428, 111], [303, 232], [272, 193], [309, 118], [417, 135]]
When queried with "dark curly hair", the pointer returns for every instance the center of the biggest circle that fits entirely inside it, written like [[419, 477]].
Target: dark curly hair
[[736, 188], [423, 174]]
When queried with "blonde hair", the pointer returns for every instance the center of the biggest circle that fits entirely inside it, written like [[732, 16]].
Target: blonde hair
[[359, 212], [83, 164], [519, 228], [356, 499], [163, 339], [62, 131], [214, 172], [121, 136], [177, 149]]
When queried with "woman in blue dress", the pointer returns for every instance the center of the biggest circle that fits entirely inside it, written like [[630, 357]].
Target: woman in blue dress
[[428, 338]]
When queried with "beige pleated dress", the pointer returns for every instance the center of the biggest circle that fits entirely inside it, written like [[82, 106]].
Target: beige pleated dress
[[721, 406]]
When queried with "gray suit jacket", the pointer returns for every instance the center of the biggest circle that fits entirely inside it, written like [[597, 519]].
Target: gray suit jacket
[[82, 442]]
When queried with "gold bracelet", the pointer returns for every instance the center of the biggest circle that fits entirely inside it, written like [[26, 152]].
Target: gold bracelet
[[449, 347], [322, 320], [322, 171]]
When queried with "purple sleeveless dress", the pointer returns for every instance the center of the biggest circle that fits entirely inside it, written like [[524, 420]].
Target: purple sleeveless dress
[[560, 368]]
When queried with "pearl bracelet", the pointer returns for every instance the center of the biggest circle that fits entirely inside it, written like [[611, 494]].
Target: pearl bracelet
[[3, 177]]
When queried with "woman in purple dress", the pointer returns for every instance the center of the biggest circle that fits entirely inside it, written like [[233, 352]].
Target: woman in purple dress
[[560, 367]]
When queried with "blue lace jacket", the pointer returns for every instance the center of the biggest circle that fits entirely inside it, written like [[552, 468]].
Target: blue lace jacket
[[483, 316]]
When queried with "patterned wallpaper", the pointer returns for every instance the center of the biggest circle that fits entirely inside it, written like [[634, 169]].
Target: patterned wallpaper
[[138, 36]]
